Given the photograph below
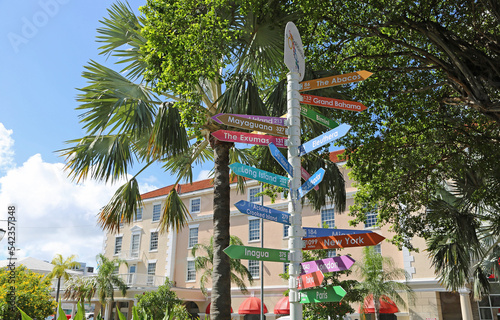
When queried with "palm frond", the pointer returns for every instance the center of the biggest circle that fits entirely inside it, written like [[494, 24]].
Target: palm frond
[[181, 164], [175, 214], [241, 96]]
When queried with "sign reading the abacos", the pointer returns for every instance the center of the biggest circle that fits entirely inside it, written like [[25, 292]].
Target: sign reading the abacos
[[263, 212], [294, 51], [334, 80], [250, 138], [325, 232], [260, 175], [324, 139]]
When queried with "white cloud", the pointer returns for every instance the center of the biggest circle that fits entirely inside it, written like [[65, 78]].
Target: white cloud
[[6, 151], [204, 174], [55, 214]]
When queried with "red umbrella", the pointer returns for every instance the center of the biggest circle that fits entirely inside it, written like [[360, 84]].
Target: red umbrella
[[386, 305], [282, 306], [251, 306]]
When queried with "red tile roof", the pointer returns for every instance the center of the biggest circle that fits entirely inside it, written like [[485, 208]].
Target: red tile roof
[[207, 183]]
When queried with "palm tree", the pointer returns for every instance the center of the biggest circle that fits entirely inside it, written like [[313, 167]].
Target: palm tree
[[205, 263], [107, 280], [378, 277], [127, 121], [80, 288], [59, 271]]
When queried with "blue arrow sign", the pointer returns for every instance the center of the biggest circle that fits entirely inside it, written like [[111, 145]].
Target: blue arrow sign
[[278, 156], [324, 139], [325, 232], [257, 210], [313, 181], [260, 175]]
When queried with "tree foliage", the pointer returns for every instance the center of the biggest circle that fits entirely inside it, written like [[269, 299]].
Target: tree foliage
[[155, 304], [32, 294]]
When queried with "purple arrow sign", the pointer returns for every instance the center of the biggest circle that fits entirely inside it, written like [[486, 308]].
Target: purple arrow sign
[[271, 120], [339, 263]]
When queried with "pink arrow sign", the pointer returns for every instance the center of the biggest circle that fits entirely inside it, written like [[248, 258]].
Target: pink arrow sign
[[310, 280], [332, 103], [335, 264], [250, 138]]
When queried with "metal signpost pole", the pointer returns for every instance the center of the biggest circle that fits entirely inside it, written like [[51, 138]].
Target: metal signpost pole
[[262, 264], [294, 204]]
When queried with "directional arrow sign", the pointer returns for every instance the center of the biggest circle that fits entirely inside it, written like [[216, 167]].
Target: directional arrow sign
[[254, 253], [335, 264], [305, 175], [343, 241], [250, 124], [318, 117], [310, 280], [250, 138], [260, 175], [323, 139], [271, 120], [280, 158], [330, 294], [325, 232], [313, 181], [334, 80], [332, 103], [263, 212]]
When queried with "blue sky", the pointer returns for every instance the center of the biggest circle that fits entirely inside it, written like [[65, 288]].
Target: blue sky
[[44, 46]]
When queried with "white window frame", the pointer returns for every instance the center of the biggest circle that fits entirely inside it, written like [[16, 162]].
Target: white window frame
[[370, 216], [253, 221], [254, 268], [191, 210], [121, 245], [151, 240], [137, 233], [153, 214], [141, 210], [259, 201], [151, 276], [193, 227], [190, 262], [321, 214]]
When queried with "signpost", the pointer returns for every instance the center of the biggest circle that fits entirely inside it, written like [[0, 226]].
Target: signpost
[[313, 181], [294, 51], [250, 138], [310, 280], [335, 264], [318, 117], [251, 124], [332, 103], [324, 139], [260, 175], [329, 294], [343, 241], [325, 232], [334, 80], [263, 212], [254, 253], [271, 120]]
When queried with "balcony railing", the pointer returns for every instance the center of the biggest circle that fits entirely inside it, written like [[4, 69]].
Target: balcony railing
[[129, 255], [142, 279]]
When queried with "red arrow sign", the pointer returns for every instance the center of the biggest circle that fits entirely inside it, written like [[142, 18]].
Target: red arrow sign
[[343, 241], [332, 103], [310, 280], [250, 138]]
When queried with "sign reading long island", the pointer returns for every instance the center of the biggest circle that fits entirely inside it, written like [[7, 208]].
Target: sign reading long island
[[260, 175], [250, 138], [254, 253]]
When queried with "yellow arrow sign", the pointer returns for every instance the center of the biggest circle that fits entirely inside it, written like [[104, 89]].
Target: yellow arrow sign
[[334, 80]]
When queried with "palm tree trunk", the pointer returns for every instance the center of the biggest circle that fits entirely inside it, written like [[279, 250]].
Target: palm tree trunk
[[57, 296], [221, 280], [376, 307]]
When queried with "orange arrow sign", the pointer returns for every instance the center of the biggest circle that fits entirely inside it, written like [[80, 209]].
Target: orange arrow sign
[[310, 280], [343, 241], [334, 80], [332, 103]]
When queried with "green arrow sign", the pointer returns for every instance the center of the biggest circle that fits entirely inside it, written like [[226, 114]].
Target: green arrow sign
[[254, 253], [328, 294], [317, 117]]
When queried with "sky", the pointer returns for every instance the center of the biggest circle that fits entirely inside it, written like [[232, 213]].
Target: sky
[[44, 46]]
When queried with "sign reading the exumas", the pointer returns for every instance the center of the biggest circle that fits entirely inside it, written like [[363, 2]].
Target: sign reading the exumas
[[250, 138], [294, 51]]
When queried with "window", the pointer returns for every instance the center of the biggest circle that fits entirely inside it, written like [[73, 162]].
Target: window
[[131, 274], [156, 212], [252, 195], [331, 253], [193, 237], [153, 243], [254, 230], [253, 268], [195, 205], [191, 272], [328, 217], [285, 267], [377, 248], [134, 245], [371, 219], [151, 273], [285, 231], [138, 214], [118, 244]]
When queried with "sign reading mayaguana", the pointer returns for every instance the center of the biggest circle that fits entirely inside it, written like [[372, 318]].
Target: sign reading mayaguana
[[254, 253], [272, 120], [251, 124], [334, 80]]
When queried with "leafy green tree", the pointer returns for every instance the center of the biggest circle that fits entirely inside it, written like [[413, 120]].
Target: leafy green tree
[[182, 62], [31, 292], [204, 262], [59, 271], [379, 277], [107, 279], [159, 302]]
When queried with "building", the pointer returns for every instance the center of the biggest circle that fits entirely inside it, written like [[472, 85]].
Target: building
[[152, 256]]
